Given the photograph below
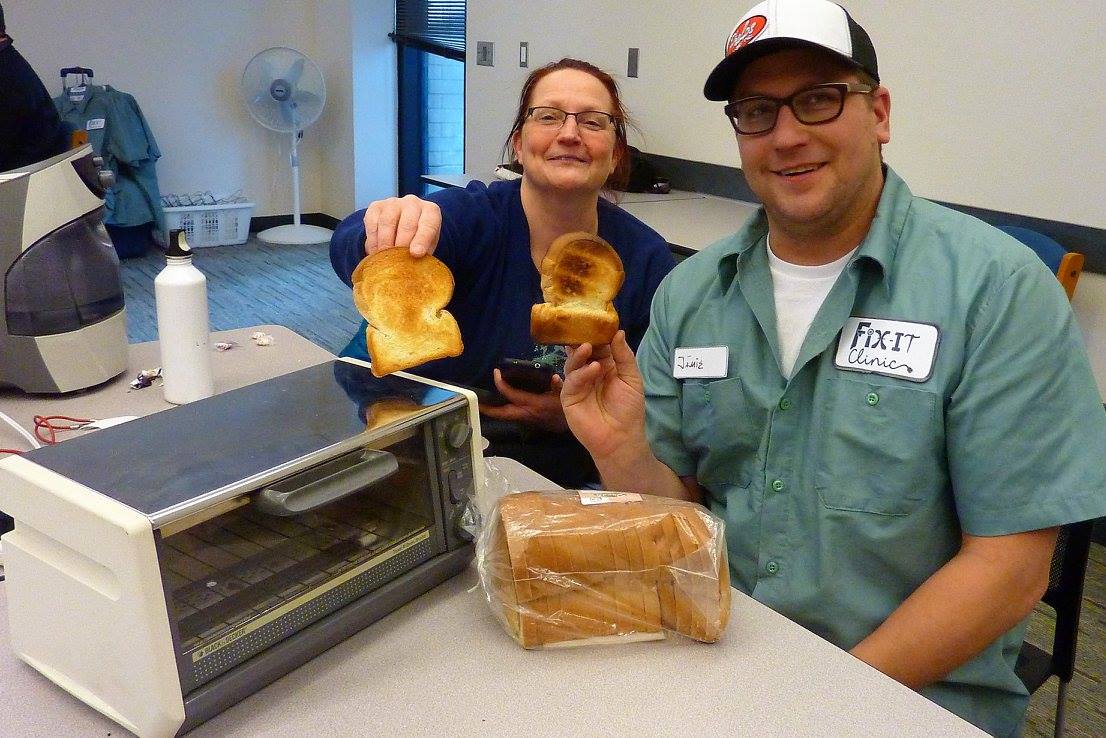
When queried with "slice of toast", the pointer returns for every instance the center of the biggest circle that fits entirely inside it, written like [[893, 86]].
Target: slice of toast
[[403, 299], [580, 276]]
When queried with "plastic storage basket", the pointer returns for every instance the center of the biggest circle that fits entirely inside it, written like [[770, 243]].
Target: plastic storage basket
[[211, 225]]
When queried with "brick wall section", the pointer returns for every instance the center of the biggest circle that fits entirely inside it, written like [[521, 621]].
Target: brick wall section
[[445, 109]]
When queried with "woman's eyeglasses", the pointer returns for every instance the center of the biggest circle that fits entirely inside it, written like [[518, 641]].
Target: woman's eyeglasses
[[554, 118]]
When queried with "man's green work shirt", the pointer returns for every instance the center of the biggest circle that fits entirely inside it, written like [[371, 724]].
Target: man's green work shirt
[[844, 490]]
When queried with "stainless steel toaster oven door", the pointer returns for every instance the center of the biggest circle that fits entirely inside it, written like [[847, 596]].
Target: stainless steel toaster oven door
[[279, 559]]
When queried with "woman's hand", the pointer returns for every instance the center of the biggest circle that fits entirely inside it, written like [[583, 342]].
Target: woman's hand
[[537, 409], [403, 222], [603, 398]]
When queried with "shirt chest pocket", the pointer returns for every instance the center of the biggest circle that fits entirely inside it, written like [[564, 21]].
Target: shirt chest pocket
[[723, 426], [882, 447]]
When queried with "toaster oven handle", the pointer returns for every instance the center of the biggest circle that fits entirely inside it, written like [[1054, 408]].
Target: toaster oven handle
[[286, 498]]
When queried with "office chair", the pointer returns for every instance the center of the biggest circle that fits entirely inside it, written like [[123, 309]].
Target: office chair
[[1065, 596], [1066, 265]]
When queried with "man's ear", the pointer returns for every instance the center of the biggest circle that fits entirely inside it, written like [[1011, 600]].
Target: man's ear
[[881, 106]]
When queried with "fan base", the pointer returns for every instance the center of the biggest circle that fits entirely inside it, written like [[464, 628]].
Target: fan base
[[294, 235]]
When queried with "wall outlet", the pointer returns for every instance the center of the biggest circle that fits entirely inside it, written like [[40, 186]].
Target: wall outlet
[[524, 53], [631, 63], [484, 52]]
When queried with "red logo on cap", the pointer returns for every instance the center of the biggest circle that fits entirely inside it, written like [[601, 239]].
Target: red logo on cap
[[745, 33]]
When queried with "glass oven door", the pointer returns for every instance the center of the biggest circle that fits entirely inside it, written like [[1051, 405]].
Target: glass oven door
[[290, 554]]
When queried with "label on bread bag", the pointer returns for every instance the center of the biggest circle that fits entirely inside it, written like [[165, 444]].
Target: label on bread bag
[[600, 498], [700, 362]]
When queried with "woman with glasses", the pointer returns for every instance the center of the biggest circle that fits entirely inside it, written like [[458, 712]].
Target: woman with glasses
[[569, 135]]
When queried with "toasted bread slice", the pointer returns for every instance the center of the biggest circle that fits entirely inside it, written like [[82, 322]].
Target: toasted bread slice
[[580, 276], [402, 297]]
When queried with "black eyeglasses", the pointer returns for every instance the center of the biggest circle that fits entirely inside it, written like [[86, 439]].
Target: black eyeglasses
[[554, 118], [814, 105]]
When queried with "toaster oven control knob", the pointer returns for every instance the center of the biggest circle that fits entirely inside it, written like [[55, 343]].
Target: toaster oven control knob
[[457, 434]]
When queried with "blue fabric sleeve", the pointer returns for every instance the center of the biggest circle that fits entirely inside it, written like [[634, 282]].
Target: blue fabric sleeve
[[658, 264], [134, 141], [465, 214], [347, 246]]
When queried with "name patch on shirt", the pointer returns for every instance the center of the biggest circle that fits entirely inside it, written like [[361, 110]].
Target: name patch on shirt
[[94, 124], [893, 348], [700, 362]]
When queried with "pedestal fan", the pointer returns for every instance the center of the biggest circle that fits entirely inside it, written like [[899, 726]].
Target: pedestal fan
[[285, 92]]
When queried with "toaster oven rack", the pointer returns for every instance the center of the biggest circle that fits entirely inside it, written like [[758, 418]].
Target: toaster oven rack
[[245, 579]]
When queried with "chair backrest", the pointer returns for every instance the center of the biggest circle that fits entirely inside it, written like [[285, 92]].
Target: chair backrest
[[1065, 592], [1066, 265]]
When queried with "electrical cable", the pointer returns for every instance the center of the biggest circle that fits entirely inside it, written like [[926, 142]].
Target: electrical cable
[[19, 429], [46, 430]]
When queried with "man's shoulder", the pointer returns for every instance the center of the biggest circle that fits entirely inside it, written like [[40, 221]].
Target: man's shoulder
[[938, 232], [699, 276], [705, 262]]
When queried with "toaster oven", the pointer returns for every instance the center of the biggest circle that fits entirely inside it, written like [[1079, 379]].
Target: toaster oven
[[164, 569]]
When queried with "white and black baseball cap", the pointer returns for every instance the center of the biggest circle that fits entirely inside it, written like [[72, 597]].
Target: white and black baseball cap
[[773, 25]]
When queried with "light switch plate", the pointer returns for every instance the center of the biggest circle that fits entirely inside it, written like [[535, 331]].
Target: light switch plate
[[484, 53], [631, 63], [524, 53]]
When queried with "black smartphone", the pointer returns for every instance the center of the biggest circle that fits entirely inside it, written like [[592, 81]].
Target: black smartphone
[[526, 375], [484, 396]]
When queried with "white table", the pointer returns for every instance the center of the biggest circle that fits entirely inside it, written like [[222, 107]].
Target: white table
[[244, 364], [443, 665], [694, 224], [689, 219], [462, 180]]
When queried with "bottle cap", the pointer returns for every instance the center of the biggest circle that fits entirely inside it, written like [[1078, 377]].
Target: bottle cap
[[178, 246]]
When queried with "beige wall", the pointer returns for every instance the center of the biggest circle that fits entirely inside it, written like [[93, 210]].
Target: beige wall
[[182, 61], [996, 105]]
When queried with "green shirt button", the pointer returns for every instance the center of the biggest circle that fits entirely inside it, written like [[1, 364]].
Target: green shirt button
[[777, 485], [772, 567], [785, 404], [873, 399]]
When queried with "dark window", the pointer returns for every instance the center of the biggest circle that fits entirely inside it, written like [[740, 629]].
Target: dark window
[[437, 26], [430, 35]]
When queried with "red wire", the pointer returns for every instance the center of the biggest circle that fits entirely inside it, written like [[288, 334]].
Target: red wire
[[43, 424], [11, 451]]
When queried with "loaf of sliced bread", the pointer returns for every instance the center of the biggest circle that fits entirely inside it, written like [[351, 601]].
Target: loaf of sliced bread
[[562, 572]]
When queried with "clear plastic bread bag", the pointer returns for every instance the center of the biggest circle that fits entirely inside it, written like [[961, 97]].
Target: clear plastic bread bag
[[570, 568]]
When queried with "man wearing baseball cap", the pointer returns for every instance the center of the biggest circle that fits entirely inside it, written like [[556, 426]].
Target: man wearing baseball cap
[[887, 401]]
